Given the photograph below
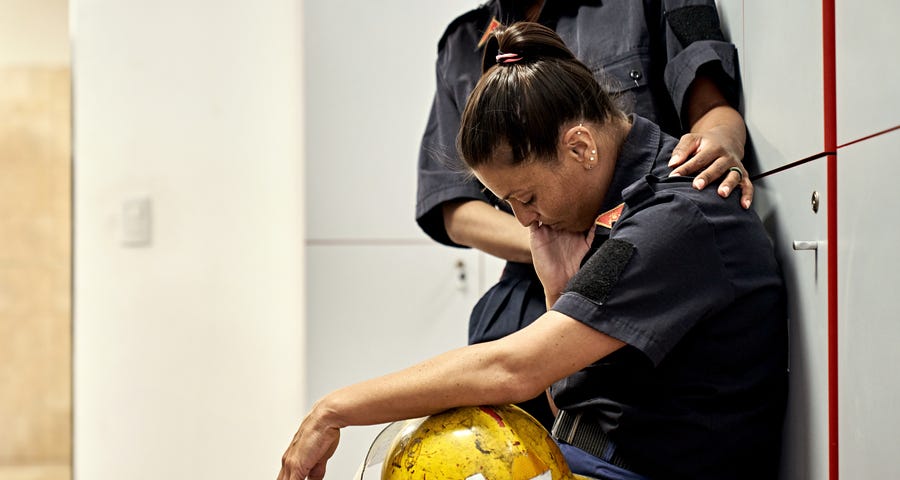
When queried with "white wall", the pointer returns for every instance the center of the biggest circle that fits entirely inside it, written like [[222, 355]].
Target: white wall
[[188, 351], [381, 294]]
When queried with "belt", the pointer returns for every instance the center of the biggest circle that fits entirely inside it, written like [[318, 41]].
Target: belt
[[579, 431]]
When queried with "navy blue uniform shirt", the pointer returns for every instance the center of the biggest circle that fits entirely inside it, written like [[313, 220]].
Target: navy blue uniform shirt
[[690, 282]]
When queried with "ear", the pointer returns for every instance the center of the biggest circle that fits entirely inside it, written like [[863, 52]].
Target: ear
[[581, 146]]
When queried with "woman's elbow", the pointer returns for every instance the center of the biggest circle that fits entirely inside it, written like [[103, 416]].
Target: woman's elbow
[[519, 382]]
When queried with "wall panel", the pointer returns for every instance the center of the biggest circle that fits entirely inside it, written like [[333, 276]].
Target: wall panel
[[868, 308], [370, 83], [784, 202], [868, 72], [35, 273], [782, 80], [378, 309]]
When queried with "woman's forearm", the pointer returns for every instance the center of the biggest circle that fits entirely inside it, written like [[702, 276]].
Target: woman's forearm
[[515, 368], [474, 375], [477, 224]]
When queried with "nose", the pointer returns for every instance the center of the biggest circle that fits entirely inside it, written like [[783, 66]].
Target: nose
[[524, 214]]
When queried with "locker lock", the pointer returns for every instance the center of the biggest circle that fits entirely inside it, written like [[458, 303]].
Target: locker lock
[[815, 202]]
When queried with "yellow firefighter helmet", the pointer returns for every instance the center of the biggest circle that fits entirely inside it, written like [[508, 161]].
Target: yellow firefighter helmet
[[475, 443]]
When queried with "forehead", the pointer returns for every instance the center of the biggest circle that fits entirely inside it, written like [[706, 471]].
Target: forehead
[[505, 178]]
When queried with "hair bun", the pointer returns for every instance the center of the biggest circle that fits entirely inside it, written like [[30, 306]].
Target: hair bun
[[523, 40]]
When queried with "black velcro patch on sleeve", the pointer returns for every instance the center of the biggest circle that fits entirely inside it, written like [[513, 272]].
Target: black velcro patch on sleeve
[[694, 23], [601, 272]]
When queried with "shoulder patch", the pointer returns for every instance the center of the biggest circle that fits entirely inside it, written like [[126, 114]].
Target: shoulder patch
[[601, 272], [609, 217], [693, 23]]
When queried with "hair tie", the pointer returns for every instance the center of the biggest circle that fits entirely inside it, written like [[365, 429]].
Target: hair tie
[[507, 57]]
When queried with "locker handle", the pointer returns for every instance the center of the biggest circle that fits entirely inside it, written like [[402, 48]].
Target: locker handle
[[806, 245]]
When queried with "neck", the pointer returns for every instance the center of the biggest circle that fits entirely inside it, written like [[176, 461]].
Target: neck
[[611, 137]]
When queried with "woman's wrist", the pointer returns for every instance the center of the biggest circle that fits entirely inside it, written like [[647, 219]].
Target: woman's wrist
[[325, 413]]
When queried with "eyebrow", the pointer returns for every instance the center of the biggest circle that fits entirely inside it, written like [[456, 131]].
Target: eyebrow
[[504, 199]]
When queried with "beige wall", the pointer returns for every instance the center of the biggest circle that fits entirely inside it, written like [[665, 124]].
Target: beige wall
[[35, 233], [34, 32]]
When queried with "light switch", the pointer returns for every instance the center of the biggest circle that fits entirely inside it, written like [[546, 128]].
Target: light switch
[[137, 222]]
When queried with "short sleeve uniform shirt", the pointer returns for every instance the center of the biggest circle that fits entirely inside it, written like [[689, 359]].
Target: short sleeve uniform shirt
[[689, 281]]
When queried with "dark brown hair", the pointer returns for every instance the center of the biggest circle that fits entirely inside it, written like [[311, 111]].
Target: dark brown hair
[[525, 102]]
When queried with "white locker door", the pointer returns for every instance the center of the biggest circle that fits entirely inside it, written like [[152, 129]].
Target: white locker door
[[868, 308], [380, 294], [370, 80], [377, 309], [782, 64], [867, 69], [785, 203]]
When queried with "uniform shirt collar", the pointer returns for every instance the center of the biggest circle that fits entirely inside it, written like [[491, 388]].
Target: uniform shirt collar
[[640, 154]]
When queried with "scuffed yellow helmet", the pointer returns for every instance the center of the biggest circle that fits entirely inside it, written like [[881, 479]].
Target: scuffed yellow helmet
[[476, 443]]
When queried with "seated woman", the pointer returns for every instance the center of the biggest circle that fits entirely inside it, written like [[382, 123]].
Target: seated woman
[[665, 344]]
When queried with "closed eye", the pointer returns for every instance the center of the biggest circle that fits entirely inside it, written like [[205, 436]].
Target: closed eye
[[521, 202]]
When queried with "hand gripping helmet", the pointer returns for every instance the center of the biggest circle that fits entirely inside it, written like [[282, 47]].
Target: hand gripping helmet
[[475, 443]]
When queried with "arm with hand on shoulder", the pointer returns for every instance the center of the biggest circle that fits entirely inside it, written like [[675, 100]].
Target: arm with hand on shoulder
[[715, 143]]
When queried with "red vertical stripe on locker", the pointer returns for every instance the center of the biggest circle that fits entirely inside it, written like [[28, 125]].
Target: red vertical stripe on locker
[[830, 129]]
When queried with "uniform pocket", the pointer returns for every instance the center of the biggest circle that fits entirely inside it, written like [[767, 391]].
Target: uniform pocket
[[624, 73], [627, 79]]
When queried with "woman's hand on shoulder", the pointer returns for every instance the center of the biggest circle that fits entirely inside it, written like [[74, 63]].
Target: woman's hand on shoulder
[[714, 155]]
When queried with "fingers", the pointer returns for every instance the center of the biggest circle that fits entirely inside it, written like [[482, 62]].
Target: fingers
[[710, 157], [283, 473], [737, 178], [731, 171], [318, 472], [746, 192], [733, 179], [708, 162], [290, 470], [712, 167], [687, 146]]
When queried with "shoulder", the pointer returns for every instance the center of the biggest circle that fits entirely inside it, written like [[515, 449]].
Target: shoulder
[[465, 27], [664, 212], [669, 218], [672, 201]]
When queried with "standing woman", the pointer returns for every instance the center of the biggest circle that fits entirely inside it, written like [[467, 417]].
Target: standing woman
[[673, 384]]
